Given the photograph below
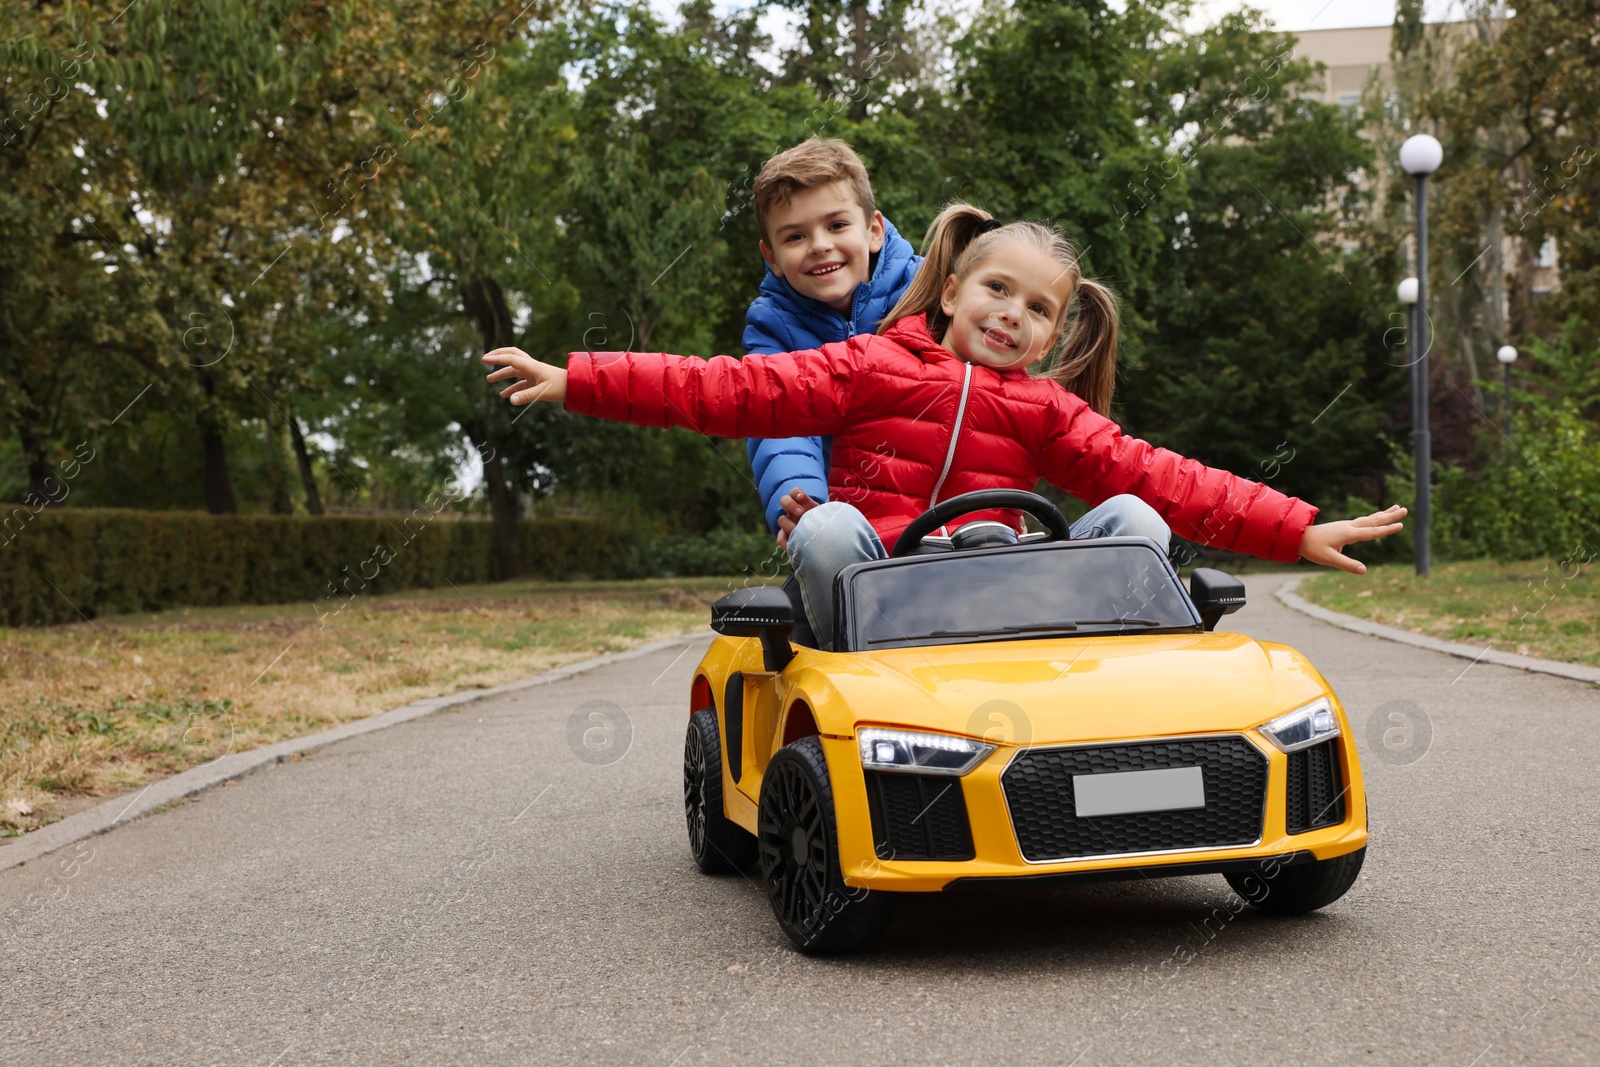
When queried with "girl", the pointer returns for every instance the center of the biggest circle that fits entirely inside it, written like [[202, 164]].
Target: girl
[[940, 402]]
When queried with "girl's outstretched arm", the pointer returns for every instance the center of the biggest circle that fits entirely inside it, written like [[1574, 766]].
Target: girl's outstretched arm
[[759, 396], [1090, 457]]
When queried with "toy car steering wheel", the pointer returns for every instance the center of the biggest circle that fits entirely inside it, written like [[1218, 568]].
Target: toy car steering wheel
[[942, 513]]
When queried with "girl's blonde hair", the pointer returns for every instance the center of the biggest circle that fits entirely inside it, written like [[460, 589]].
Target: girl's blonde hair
[[1086, 356]]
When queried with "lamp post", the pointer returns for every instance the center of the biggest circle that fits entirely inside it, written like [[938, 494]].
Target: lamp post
[[1507, 356], [1408, 296], [1420, 156]]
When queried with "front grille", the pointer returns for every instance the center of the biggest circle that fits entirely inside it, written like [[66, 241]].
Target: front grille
[[918, 817], [1038, 791], [1316, 792]]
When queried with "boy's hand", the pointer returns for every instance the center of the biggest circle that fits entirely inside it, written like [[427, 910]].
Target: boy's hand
[[536, 381], [795, 504], [1322, 544]]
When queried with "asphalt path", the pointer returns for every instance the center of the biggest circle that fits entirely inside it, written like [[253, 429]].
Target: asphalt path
[[508, 882]]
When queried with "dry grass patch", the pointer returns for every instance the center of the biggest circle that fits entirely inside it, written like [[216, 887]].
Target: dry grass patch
[[93, 709], [1548, 609]]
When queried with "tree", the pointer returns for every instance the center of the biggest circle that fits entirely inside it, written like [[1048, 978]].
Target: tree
[[201, 114], [1266, 354], [669, 126], [1520, 136], [1467, 298], [229, 176], [1046, 123], [854, 55], [76, 316], [474, 222]]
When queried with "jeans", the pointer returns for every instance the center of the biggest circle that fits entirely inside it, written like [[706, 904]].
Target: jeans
[[832, 536]]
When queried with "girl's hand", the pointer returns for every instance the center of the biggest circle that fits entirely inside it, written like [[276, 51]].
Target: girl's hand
[[536, 381], [1322, 544]]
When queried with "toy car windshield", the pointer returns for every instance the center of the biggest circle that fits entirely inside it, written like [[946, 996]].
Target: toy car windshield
[[1030, 591]]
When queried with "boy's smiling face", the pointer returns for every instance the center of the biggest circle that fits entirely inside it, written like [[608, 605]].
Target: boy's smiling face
[[822, 243]]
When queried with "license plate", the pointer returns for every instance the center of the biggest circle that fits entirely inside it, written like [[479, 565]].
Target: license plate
[[1124, 792]]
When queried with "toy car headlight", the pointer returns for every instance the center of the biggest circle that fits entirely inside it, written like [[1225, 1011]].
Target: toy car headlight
[[906, 750], [1304, 726]]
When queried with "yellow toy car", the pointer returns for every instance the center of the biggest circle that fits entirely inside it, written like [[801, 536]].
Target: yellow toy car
[[1022, 710]]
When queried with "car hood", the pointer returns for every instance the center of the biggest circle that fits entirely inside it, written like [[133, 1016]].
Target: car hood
[[1065, 690]]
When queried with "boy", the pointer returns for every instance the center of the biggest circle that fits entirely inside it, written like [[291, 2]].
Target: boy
[[835, 267]]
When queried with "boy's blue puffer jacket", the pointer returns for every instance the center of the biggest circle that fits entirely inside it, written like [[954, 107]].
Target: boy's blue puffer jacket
[[781, 320]]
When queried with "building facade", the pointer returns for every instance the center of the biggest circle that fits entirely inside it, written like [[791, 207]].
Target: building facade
[[1354, 57]]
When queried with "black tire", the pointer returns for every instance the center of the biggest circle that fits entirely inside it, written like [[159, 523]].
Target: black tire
[[1299, 889], [799, 849], [718, 844]]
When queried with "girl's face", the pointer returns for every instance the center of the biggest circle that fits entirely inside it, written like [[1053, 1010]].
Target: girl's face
[[1007, 311]]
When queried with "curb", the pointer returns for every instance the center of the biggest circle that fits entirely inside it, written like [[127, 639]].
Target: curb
[[103, 817], [1576, 672]]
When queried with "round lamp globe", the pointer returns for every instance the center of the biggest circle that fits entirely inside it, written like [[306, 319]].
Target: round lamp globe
[[1421, 155]]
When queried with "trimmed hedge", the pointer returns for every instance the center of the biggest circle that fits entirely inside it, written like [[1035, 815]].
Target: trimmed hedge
[[718, 553], [61, 562]]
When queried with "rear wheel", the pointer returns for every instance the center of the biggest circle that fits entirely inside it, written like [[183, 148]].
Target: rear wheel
[[799, 848], [1299, 889], [719, 845]]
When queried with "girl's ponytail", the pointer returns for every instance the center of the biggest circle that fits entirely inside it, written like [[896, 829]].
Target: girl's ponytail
[[949, 236], [1087, 364]]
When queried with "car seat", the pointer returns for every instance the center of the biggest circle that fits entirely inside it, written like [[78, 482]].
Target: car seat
[[802, 634]]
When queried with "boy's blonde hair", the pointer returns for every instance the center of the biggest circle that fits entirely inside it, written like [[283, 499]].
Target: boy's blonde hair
[[958, 241], [809, 164]]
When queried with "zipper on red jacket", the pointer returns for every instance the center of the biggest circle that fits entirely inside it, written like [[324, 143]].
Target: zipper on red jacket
[[955, 434]]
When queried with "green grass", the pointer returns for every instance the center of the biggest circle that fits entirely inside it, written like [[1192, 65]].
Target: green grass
[[95, 709], [1544, 608]]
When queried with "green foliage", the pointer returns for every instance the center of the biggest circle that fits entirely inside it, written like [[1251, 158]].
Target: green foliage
[[1047, 124], [1520, 137], [1542, 499], [70, 564], [1534, 495], [66, 250], [853, 54], [1267, 355], [666, 131], [725, 551]]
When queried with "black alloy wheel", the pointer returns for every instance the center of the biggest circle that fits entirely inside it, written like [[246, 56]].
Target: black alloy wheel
[[719, 845], [799, 851]]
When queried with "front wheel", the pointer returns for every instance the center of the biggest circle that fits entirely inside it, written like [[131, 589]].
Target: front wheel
[[799, 848], [718, 844], [1299, 889]]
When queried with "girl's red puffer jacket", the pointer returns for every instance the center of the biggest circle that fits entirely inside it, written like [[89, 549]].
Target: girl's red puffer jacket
[[913, 425]]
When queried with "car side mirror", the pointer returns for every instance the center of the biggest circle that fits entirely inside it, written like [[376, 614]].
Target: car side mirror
[[762, 611], [1215, 594]]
